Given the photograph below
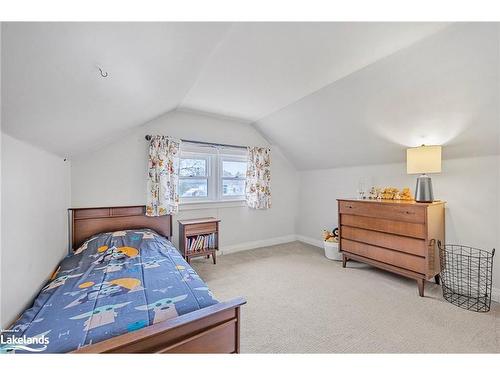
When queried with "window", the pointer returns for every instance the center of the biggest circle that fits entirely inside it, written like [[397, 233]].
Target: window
[[193, 177], [233, 176], [208, 176]]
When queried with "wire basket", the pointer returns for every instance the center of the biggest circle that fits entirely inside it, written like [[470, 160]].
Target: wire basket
[[466, 276]]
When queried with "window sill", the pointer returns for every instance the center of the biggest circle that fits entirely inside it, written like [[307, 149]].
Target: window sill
[[211, 204]]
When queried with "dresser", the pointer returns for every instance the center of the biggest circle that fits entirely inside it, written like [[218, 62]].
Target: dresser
[[397, 236]]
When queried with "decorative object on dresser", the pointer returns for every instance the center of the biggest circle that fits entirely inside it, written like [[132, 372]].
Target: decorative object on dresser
[[397, 236], [199, 237], [390, 193], [423, 159]]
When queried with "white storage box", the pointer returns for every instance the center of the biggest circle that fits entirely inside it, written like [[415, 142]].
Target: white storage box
[[332, 250]]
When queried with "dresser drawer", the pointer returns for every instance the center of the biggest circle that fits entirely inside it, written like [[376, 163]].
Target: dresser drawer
[[201, 228], [395, 258], [407, 212], [402, 228], [405, 244]]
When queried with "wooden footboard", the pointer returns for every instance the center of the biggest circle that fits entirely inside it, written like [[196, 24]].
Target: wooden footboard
[[214, 329]]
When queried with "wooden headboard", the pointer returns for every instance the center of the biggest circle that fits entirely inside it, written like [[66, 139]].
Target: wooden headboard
[[86, 222]]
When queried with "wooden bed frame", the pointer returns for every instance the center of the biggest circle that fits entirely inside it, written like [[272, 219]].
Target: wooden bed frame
[[213, 329]]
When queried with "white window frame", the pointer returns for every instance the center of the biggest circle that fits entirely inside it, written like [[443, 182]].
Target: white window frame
[[211, 191], [221, 178], [214, 177]]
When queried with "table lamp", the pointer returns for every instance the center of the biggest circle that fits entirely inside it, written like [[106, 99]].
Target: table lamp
[[423, 159]]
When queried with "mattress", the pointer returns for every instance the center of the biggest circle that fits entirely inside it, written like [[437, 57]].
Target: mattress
[[113, 284]]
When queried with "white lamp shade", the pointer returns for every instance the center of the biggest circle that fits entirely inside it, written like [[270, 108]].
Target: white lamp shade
[[423, 159]]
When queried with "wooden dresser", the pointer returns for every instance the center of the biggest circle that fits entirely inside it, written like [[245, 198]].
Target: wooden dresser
[[397, 236]]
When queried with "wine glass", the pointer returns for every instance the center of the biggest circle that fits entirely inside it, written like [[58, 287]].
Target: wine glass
[[361, 190]]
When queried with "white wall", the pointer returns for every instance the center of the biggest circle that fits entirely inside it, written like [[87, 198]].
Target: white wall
[[469, 186], [116, 175], [35, 197]]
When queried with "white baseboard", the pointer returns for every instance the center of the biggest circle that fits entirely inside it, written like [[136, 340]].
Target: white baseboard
[[310, 241], [256, 244]]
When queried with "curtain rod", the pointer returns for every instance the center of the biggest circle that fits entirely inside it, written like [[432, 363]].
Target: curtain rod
[[148, 138]]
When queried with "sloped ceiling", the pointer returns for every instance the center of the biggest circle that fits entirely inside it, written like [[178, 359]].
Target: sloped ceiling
[[329, 94], [443, 90], [54, 97], [259, 68]]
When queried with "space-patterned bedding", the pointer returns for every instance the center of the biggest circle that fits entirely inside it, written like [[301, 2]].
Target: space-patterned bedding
[[113, 284]]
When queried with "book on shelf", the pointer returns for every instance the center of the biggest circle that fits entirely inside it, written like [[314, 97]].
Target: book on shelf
[[201, 242]]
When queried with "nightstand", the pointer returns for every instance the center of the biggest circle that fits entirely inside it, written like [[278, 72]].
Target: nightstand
[[199, 237]]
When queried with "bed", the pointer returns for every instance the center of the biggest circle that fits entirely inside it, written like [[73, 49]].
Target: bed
[[124, 288]]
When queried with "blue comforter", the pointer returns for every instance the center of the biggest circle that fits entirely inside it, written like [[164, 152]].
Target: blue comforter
[[114, 283]]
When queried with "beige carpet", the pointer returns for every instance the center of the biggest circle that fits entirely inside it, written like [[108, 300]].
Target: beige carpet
[[301, 302]]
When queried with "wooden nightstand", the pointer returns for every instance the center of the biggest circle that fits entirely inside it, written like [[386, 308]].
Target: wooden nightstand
[[199, 237]]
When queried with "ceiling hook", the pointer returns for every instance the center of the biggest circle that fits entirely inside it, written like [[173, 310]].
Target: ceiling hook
[[103, 74]]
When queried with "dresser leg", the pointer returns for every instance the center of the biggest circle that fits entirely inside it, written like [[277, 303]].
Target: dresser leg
[[344, 261], [420, 284], [437, 279], [213, 257]]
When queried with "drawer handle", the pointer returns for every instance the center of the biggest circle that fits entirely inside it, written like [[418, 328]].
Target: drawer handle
[[409, 213], [349, 206]]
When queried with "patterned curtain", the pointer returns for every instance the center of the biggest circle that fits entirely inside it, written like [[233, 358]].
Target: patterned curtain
[[163, 166], [258, 183]]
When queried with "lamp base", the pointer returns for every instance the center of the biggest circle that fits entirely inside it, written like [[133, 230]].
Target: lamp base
[[423, 191]]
